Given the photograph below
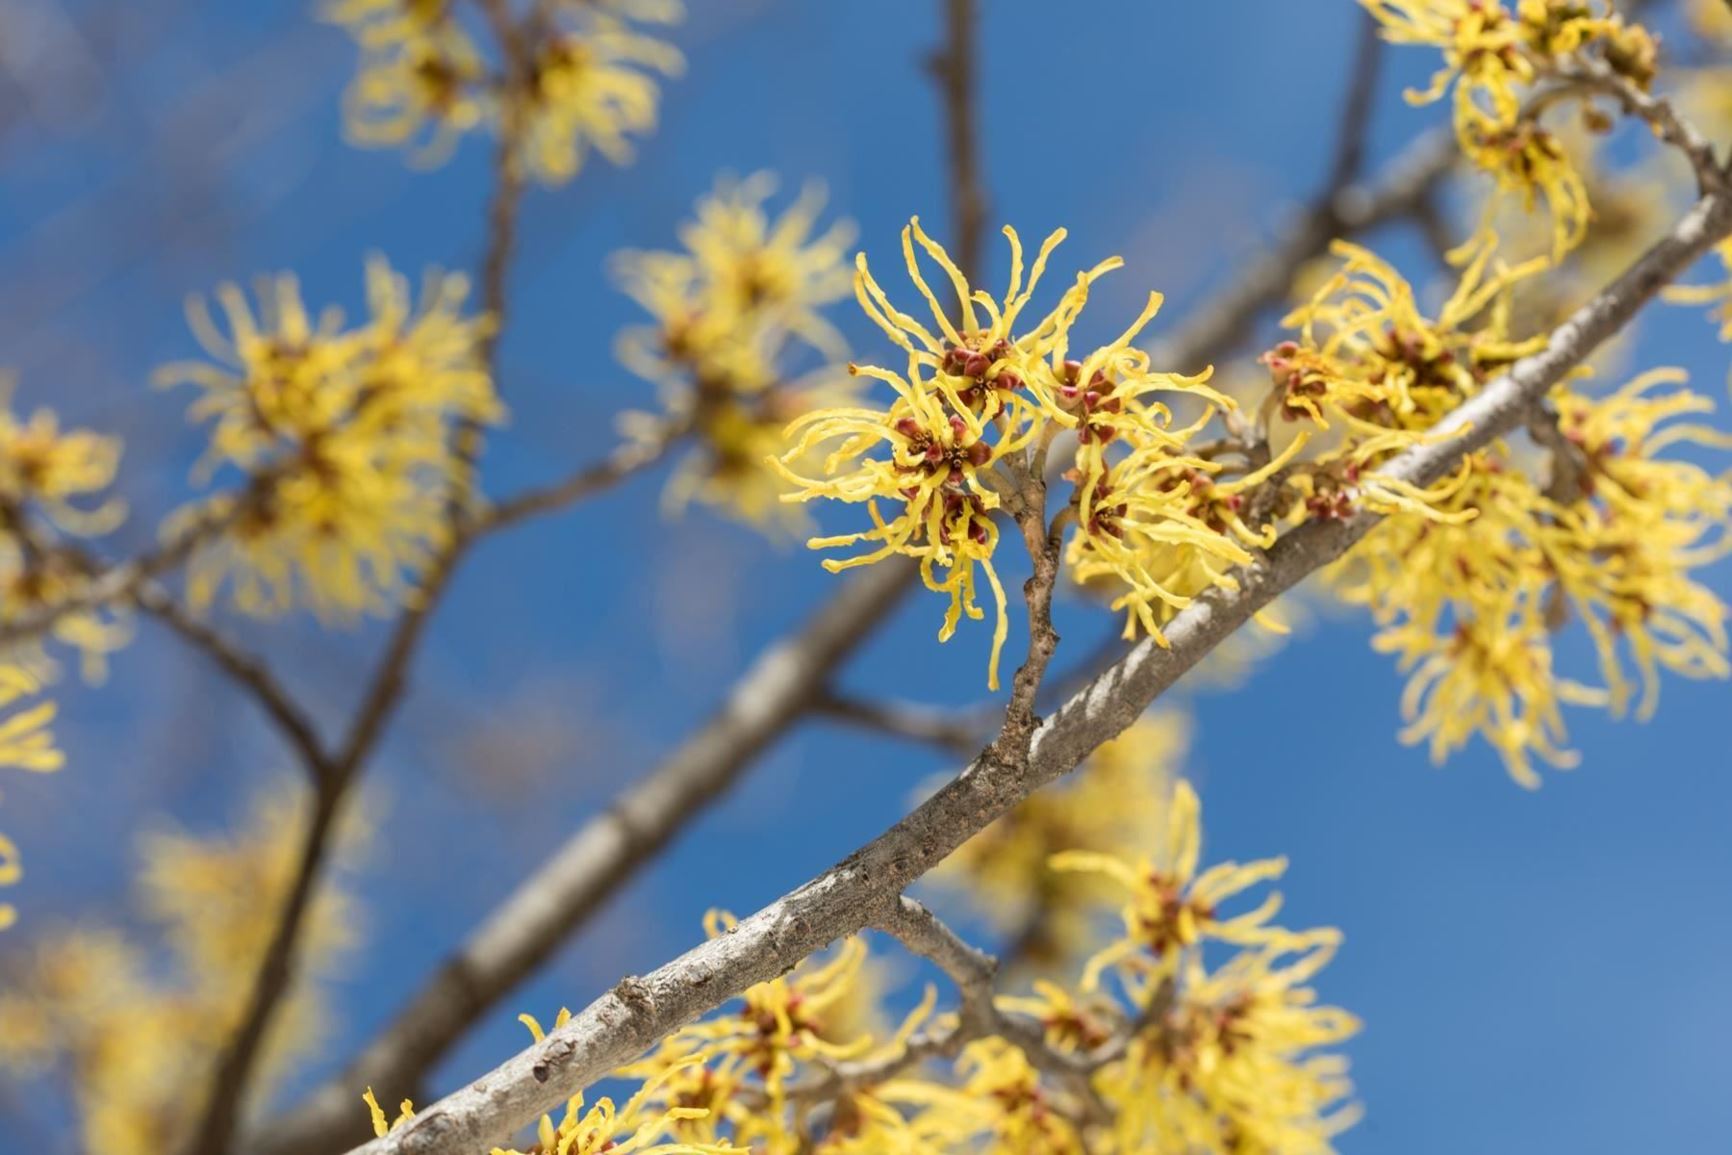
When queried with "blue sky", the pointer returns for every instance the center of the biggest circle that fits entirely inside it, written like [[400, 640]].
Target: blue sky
[[1536, 971]]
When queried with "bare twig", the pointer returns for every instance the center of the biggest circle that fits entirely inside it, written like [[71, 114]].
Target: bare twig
[[248, 670], [954, 66], [615, 1028], [117, 584], [974, 971], [1595, 75], [1355, 131], [628, 459], [1568, 466], [955, 731]]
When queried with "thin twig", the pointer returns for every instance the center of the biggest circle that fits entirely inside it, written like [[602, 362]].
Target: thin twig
[[955, 731], [628, 459], [1354, 135], [249, 670], [955, 66], [1595, 75], [117, 583], [974, 972]]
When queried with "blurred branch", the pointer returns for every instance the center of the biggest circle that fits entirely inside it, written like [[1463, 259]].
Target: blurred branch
[[248, 670], [1355, 131], [954, 731], [1399, 191], [119, 582], [953, 65], [640, 1010], [628, 459], [563, 892]]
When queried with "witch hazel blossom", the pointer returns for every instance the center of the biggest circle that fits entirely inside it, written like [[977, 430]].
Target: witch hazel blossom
[[980, 400]]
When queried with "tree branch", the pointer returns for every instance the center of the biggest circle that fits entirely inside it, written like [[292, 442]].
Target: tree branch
[[628, 459], [246, 669], [621, 1025]]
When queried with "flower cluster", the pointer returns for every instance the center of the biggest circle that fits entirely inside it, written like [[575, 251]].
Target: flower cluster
[[53, 491], [344, 438], [1470, 579], [135, 1030], [736, 309], [1494, 53], [1166, 1050], [981, 398], [577, 77]]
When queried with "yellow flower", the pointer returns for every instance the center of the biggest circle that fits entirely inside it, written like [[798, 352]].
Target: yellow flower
[[975, 392], [1161, 526], [1718, 295], [1481, 43], [735, 311], [1492, 57], [804, 1016], [935, 468], [740, 1065], [1470, 605], [53, 486], [603, 1128], [1235, 1062], [1013, 1111], [381, 1128], [1528, 161], [422, 80], [26, 743], [592, 86], [1172, 907], [345, 438], [1626, 555]]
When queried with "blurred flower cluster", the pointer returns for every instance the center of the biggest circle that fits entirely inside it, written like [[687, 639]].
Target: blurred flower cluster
[[344, 439], [577, 77], [130, 1027], [738, 323]]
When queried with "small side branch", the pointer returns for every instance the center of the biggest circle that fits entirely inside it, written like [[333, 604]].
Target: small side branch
[[1661, 116], [974, 971], [248, 671], [952, 731], [627, 460]]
